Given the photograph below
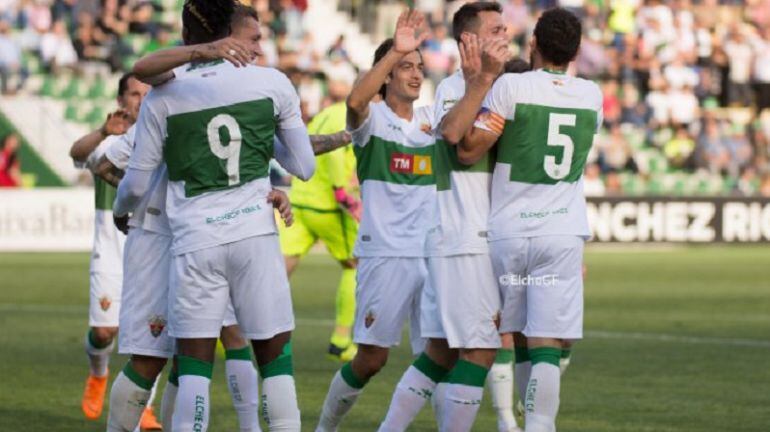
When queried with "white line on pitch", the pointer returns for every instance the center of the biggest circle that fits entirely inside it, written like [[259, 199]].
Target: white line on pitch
[[590, 334]]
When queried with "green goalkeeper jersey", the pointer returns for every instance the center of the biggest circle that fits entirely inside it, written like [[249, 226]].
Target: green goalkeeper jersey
[[333, 170]]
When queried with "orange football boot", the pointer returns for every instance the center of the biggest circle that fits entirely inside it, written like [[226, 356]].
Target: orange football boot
[[93, 396], [149, 421]]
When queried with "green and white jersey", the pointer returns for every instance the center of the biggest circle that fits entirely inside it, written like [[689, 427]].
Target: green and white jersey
[[463, 191], [546, 122], [214, 129], [107, 251], [150, 213], [395, 168]]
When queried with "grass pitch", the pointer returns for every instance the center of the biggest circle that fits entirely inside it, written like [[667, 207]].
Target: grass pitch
[[676, 340]]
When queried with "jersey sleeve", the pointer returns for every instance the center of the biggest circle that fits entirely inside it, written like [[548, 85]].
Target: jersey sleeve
[[362, 134], [498, 106], [150, 135], [120, 152], [288, 105], [93, 159]]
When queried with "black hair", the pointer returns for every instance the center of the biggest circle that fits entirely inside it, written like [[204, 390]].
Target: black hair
[[558, 33], [243, 12], [123, 83], [467, 17], [205, 21], [517, 65], [379, 53]]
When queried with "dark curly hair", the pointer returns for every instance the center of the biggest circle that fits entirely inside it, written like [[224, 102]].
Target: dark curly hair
[[206, 20], [558, 33]]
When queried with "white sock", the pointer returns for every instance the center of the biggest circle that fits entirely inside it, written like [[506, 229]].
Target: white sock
[[521, 372], [191, 410], [414, 389], [500, 384], [279, 403], [154, 390], [542, 400], [564, 364], [437, 401], [463, 396], [98, 358], [167, 404], [339, 400], [127, 403], [243, 384]]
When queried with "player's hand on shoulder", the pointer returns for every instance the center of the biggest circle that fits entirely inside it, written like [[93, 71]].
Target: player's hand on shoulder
[[121, 223], [117, 123], [231, 49], [280, 202], [410, 32]]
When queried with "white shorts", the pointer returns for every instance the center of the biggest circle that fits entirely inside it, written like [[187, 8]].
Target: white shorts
[[541, 279], [104, 299], [467, 301], [387, 294], [251, 272], [144, 317]]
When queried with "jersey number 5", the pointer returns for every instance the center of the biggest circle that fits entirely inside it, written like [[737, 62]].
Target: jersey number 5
[[232, 152], [558, 171]]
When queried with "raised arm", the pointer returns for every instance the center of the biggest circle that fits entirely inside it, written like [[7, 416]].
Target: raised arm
[[117, 123], [407, 38], [481, 66], [108, 172], [155, 68]]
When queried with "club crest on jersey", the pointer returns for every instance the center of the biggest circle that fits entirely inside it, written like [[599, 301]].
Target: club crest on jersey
[[369, 320], [157, 323], [105, 303], [404, 163]]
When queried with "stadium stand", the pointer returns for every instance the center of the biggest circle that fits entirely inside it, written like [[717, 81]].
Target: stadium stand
[[686, 83]]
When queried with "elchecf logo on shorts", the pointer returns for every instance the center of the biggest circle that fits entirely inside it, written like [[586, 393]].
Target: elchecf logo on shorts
[[157, 323], [105, 302]]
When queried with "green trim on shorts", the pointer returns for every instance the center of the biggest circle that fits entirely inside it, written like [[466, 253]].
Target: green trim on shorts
[[429, 368], [137, 379], [548, 355], [522, 355], [350, 377], [239, 354], [193, 366], [467, 373], [282, 365], [504, 356]]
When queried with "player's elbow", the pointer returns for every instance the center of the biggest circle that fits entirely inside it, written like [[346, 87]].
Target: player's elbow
[[307, 171], [450, 133], [355, 103]]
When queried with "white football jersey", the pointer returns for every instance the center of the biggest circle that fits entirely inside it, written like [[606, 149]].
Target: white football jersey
[[214, 130], [546, 122], [463, 191], [107, 251], [395, 169]]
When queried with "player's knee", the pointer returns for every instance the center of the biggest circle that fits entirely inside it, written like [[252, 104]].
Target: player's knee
[[104, 335], [370, 361], [481, 357], [148, 367], [232, 338]]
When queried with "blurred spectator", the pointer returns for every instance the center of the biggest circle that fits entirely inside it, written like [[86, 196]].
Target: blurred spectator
[[762, 69], [56, 49], [711, 152], [592, 182], [10, 165], [739, 53], [679, 149], [740, 150], [615, 153], [10, 61]]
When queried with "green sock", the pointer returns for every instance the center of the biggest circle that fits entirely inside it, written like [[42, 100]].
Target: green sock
[[282, 365], [137, 379], [504, 355], [350, 377]]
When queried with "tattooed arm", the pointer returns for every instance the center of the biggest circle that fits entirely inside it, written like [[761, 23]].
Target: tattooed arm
[[326, 143]]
